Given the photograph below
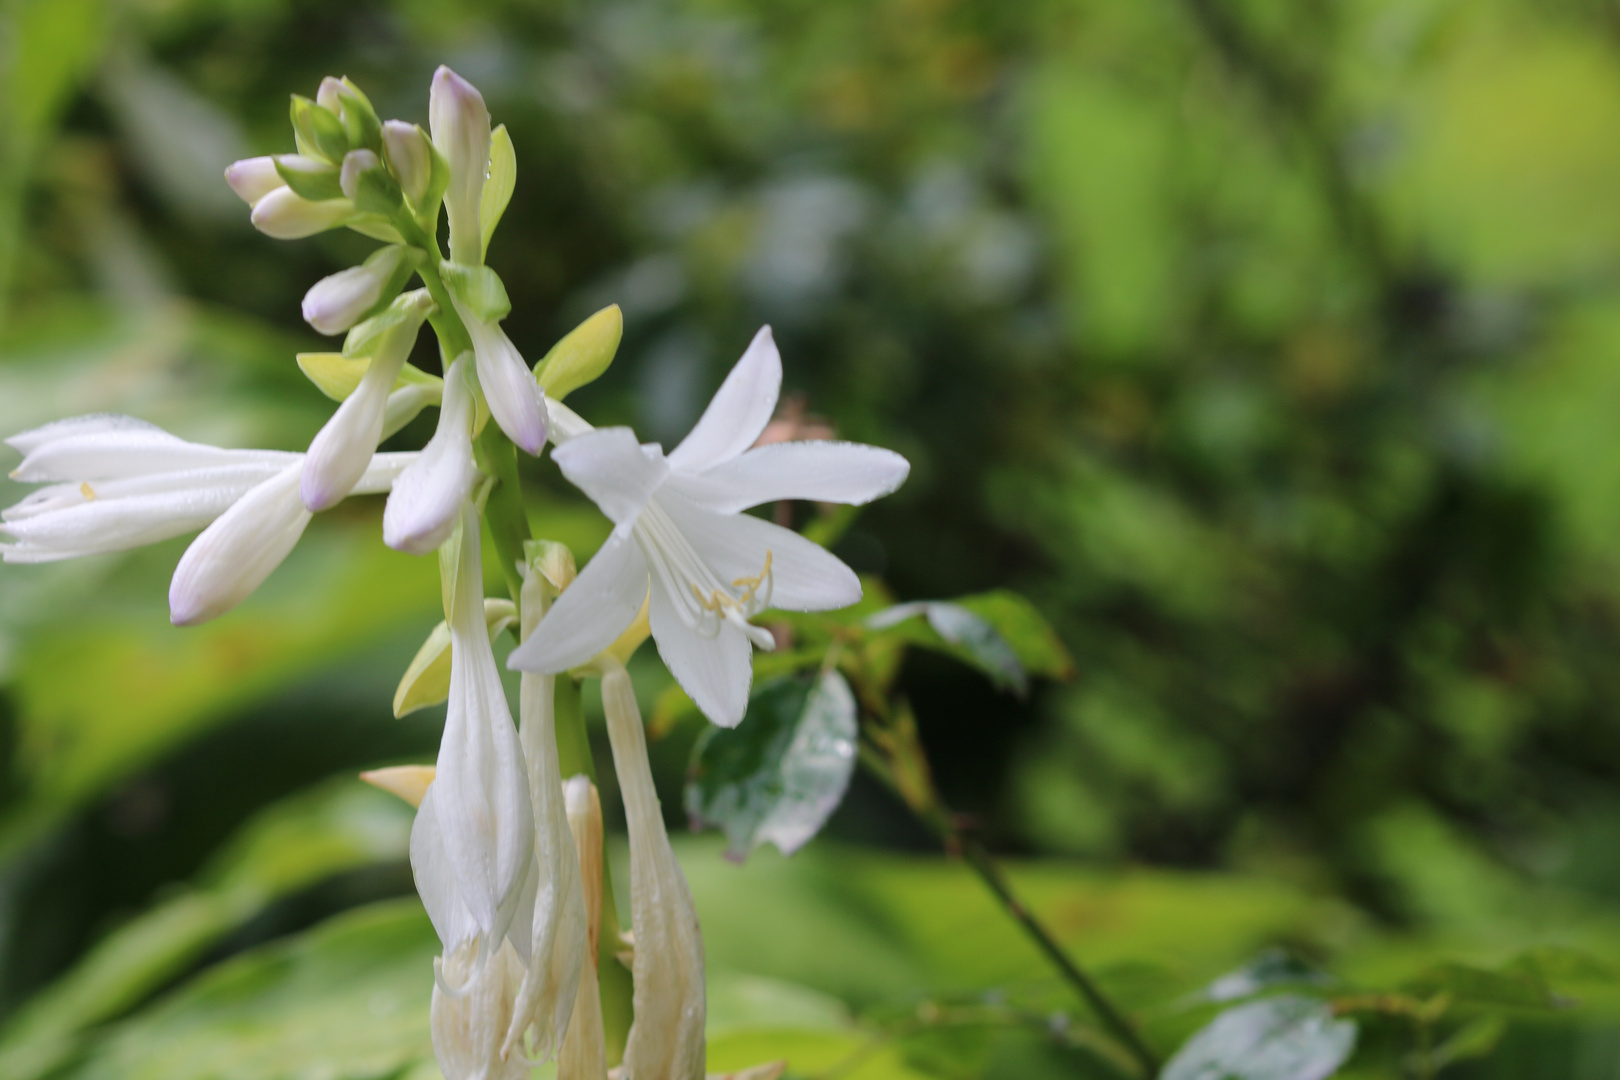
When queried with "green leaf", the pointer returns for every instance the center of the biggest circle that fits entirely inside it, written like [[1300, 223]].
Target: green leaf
[[1025, 630], [360, 121], [293, 844], [582, 355], [478, 289], [778, 775], [318, 131], [349, 999], [1515, 988], [310, 179], [499, 186], [1280, 1038], [1270, 969], [953, 629], [377, 192]]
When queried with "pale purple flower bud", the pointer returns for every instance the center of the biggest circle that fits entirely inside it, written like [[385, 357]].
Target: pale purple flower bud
[[327, 96], [335, 303], [253, 178], [459, 121]]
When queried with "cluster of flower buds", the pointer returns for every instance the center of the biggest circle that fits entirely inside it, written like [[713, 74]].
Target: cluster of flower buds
[[507, 856]]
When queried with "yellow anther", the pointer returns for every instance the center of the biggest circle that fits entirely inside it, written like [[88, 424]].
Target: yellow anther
[[87, 491], [751, 585]]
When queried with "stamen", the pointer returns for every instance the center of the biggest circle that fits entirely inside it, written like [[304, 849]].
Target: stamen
[[87, 491]]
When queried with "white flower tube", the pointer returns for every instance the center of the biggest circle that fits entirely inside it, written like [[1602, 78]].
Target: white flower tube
[[666, 1039], [337, 302], [234, 555], [427, 498], [557, 948], [283, 214], [459, 121], [339, 453]]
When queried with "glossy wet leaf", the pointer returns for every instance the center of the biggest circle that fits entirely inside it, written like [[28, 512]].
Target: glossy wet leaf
[[777, 776], [954, 629], [1280, 1038], [1272, 968]]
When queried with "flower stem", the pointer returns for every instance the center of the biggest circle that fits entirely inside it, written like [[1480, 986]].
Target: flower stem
[[893, 755], [508, 521]]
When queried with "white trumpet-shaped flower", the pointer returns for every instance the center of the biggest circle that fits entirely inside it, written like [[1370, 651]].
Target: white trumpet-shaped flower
[[678, 526], [339, 452], [115, 482], [428, 496], [666, 1038], [472, 845]]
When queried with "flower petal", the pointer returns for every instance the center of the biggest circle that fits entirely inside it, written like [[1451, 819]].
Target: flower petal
[[618, 473], [739, 411], [100, 525], [26, 442], [237, 552], [839, 472], [714, 671], [804, 575], [113, 454], [436, 879], [342, 450], [593, 611]]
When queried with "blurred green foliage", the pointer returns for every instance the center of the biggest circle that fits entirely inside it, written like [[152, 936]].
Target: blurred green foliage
[[1271, 347]]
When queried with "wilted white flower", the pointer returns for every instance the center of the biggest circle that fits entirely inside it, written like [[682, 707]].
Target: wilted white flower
[[678, 526]]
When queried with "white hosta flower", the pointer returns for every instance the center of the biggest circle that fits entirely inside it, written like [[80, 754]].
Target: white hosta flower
[[427, 499], [340, 451], [666, 1039], [115, 482], [557, 942], [472, 845], [254, 178], [337, 302], [234, 555], [459, 121], [283, 214], [678, 526]]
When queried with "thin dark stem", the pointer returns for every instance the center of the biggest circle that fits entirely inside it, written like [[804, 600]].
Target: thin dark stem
[[941, 821]]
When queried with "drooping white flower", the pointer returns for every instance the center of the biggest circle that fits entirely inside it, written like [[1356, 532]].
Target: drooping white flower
[[678, 526], [233, 556], [666, 1038], [115, 482], [340, 451], [472, 845], [337, 302], [427, 498]]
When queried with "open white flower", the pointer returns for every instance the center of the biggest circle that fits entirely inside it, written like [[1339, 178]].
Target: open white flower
[[115, 482], [678, 526]]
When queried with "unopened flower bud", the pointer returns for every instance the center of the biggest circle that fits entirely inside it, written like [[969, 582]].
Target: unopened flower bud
[[356, 162], [410, 158], [460, 124], [254, 178], [335, 303], [327, 96], [284, 215]]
